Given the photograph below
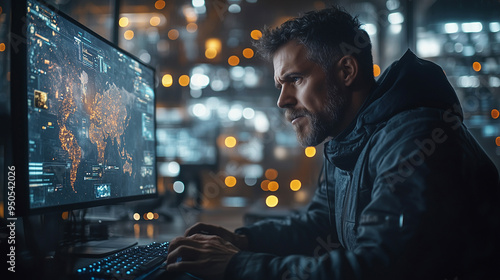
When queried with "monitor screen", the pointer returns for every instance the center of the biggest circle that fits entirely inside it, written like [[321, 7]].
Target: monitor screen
[[85, 112]]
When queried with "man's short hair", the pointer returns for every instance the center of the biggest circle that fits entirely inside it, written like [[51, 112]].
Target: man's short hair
[[327, 34]]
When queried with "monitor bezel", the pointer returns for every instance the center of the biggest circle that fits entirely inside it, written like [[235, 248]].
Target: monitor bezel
[[18, 142]]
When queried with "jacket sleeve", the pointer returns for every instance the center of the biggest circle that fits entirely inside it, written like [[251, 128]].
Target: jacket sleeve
[[298, 234], [412, 227]]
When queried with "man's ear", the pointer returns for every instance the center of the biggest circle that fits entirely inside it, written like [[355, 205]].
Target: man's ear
[[348, 70]]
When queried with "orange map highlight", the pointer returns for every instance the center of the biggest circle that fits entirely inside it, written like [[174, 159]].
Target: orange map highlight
[[67, 138], [108, 120]]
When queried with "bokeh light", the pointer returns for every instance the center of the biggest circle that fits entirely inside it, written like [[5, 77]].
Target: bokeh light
[[191, 27], [123, 22], [230, 181], [137, 216], [476, 66], [271, 174], [273, 186], [129, 35], [265, 185], [167, 80], [160, 4], [295, 185], [256, 34], [150, 215], [173, 34], [310, 151], [155, 21], [178, 187], [233, 60], [184, 80], [213, 43], [495, 113], [210, 53], [248, 53], [272, 201], [376, 70], [230, 142]]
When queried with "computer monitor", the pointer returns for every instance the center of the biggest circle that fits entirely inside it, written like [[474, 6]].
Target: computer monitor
[[83, 115]]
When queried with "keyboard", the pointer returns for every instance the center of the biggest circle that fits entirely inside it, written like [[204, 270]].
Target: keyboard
[[133, 263]]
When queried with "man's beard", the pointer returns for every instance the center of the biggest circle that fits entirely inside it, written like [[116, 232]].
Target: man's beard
[[323, 124]]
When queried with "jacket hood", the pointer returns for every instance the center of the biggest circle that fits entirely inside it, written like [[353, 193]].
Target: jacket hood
[[407, 84]]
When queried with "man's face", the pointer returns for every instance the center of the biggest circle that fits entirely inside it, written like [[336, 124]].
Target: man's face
[[313, 103]]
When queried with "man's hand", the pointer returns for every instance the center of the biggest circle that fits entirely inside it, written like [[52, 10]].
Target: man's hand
[[240, 241], [205, 256]]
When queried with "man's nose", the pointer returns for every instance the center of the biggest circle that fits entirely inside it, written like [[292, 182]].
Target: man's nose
[[286, 98]]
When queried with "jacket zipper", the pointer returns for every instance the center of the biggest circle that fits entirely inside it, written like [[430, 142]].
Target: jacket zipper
[[327, 194], [344, 210]]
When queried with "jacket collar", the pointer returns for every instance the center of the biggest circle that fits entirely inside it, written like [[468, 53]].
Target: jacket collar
[[408, 83]]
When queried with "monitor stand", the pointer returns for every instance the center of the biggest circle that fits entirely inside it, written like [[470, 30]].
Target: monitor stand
[[95, 240]]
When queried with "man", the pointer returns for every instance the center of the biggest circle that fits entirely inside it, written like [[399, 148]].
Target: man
[[407, 192]]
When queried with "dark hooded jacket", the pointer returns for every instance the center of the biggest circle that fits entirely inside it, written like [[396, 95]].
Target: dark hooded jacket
[[407, 193]]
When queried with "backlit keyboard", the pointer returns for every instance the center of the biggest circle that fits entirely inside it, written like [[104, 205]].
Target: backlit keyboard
[[133, 263]]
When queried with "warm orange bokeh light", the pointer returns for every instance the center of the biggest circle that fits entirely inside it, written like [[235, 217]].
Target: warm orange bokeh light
[[271, 174], [230, 142], [271, 201], [184, 80], [233, 60], [160, 4], [273, 186], [191, 27], [295, 185], [167, 80], [137, 216], [129, 34], [265, 185], [495, 113], [173, 34], [476, 66], [150, 215], [210, 53], [248, 53], [155, 21], [213, 43], [376, 70], [123, 22], [256, 34], [310, 151], [230, 181]]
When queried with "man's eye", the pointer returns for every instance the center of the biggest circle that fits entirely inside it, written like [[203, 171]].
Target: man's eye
[[295, 79]]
